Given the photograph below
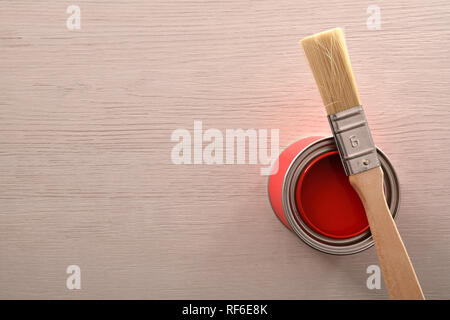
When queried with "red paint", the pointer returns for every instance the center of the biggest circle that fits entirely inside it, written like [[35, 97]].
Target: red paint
[[278, 172], [326, 200]]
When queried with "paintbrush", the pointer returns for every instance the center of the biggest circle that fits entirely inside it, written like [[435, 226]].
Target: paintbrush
[[330, 64]]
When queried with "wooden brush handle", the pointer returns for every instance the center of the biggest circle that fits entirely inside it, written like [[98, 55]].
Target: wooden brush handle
[[398, 272]]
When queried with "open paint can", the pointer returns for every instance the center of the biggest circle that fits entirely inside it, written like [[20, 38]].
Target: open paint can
[[312, 196]]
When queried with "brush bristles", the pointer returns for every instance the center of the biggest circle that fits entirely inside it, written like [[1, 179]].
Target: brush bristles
[[330, 64]]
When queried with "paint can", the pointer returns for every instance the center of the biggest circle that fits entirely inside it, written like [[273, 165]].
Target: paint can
[[311, 195]]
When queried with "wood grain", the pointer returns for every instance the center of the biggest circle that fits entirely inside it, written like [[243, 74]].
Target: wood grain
[[398, 272], [86, 118]]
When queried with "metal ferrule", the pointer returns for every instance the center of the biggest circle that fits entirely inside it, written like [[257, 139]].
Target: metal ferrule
[[354, 141]]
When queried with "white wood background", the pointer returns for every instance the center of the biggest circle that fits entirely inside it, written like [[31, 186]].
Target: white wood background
[[86, 117]]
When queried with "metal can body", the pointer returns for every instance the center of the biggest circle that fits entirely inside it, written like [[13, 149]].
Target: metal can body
[[284, 185]]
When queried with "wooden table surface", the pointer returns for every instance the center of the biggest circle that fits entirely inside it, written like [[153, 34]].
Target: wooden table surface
[[86, 118]]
